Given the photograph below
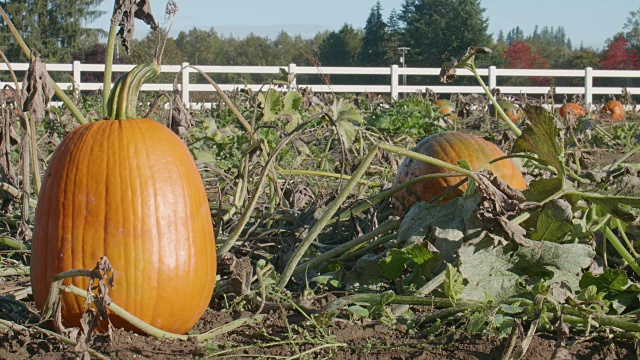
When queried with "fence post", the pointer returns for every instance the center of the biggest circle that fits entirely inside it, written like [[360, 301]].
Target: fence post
[[76, 76], [588, 86], [185, 84], [394, 82], [493, 83], [292, 76]]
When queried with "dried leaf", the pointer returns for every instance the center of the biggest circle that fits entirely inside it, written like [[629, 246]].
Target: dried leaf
[[124, 15], [181, 120], [38, 88], [448, 70], [498, 202], [241, 274]]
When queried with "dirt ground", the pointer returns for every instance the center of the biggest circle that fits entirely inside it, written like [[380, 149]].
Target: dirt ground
[[288, 334]]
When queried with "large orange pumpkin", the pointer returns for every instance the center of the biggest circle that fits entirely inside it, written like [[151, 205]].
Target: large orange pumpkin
[[128, 190], [450, 147], [613, 110], [574, 110]]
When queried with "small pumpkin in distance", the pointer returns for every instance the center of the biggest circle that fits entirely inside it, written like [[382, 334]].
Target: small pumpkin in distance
[[613, 110], [128, 189], [572, 109], [513, 112], [447, 107], [450, 147]]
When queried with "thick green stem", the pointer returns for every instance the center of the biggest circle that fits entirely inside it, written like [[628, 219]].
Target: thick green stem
[[158, 333], [324, 219], [613, 239], [342, 196], [108, 66], [13, 243], [389, 225], [123, 98], [325, 174], [472, 67]]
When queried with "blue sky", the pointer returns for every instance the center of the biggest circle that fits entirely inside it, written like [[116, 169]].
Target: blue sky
[[585, 21]]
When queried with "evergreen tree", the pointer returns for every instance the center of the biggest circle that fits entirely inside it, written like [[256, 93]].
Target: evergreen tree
[[374, 50], [341, 48], [54, 28], [395, 39], [436, 28]]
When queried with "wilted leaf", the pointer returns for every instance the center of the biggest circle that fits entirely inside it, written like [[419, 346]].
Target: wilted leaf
[[501, 271], [124, 15], [181, 120], [542, 138], [448, 70], [498, 203], [39, 88], [444, 225], [554, 222]]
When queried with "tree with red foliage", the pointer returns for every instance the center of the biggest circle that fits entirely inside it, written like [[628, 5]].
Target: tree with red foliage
[[519, 55], [619, 56]]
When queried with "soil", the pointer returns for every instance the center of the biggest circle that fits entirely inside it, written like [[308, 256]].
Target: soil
[[287, 333]]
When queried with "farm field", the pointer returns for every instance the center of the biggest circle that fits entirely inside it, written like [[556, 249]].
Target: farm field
[[288, 224], [318, 313]]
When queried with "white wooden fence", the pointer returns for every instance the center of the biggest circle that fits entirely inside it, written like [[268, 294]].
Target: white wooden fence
[[394, 88]]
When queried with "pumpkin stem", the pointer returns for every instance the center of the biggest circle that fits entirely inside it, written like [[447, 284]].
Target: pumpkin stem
[[123, 97]]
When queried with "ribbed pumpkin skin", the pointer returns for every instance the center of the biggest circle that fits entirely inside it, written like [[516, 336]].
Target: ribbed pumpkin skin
[[570, 108], [614, 110], [450, 147], [129, 190]]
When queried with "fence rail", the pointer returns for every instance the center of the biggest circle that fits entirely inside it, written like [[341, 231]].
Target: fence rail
[[394, 88]]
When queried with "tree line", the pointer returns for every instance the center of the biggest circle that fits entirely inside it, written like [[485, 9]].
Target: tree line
[[433, 30]]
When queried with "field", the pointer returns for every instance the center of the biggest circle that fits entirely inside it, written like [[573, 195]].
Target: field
[[472, 278], [331, 240]]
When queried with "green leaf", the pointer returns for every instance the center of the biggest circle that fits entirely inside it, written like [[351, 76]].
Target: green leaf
[[542, 189], [615, 205], [477, 322], [555, 221], [616, 287], [453, 283], [611, 281], [271, 102], [541, 138], [394, 264], [358, 312], [292, 100]]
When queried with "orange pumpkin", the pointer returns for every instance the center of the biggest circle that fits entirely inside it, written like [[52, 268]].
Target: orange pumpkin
[[450, 147], [613, 110], [575, 110], [512, 111], [128, 190], [447, 107]]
